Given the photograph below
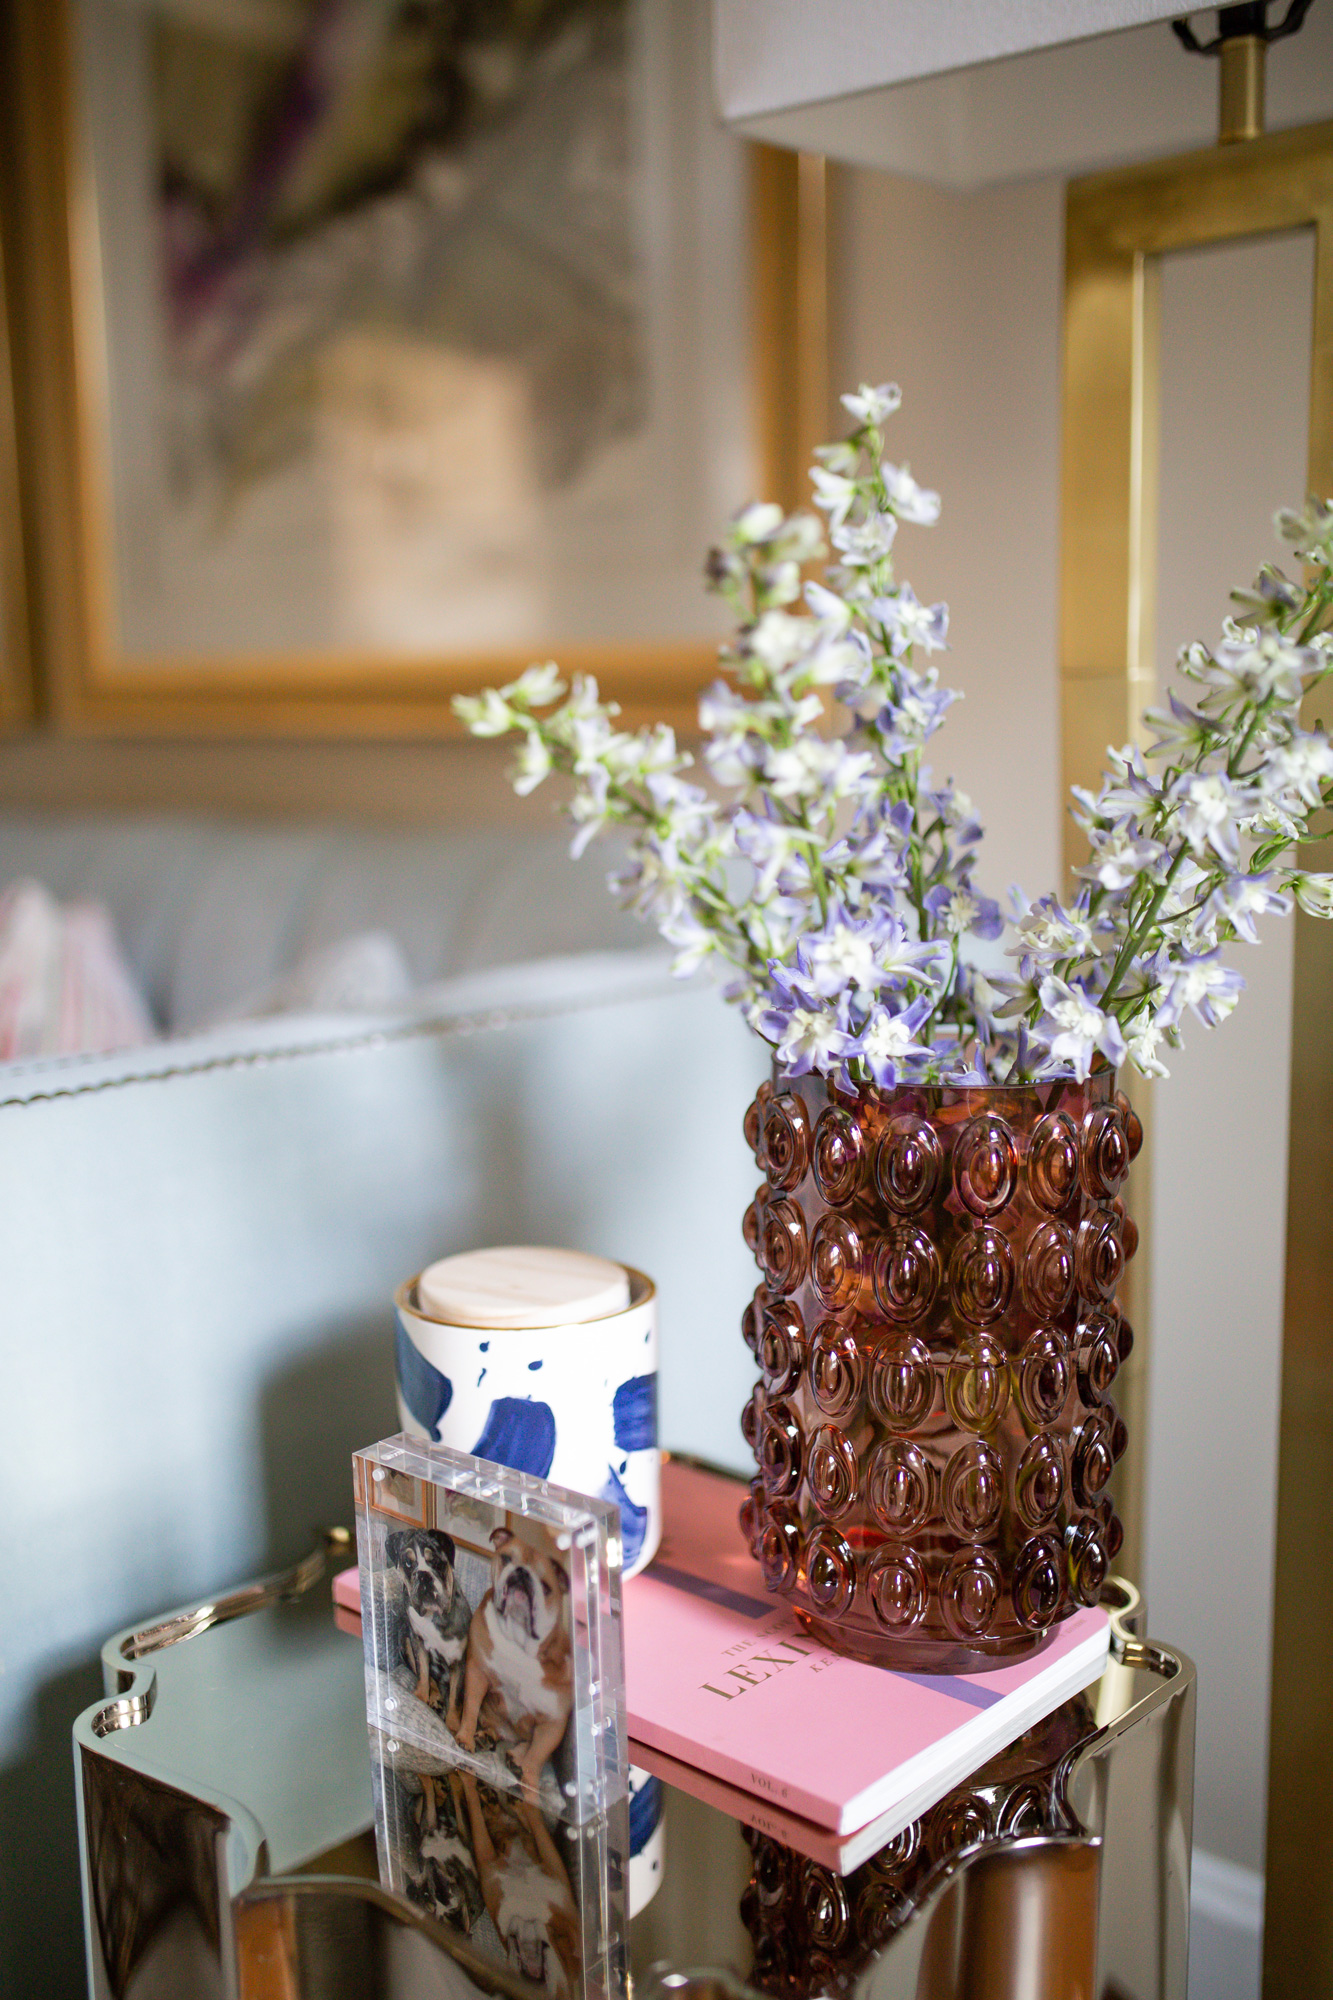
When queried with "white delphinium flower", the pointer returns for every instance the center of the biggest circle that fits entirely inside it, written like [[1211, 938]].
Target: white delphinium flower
[[1314, 893], [1310, 530], [888, 1041], [532, 763], [835, 494], [685, 813], [536, 686], [756, 523], [1272, 821], [1048, 932], [1261, 666], [590, 808], [1300, 766], [1129, 790], [866, 544], [909, 623], [809, 1034], [873, 406], [1118, 858], [768, 845], [835, 662], [843, 955], [834, 613], [1075, 1028], [1206, 805], [485, 714], [692, 938], [909, 501], [815, 770], [1141, 1045], [1180, 728], [650, 884], [778, 640], [842, 456]]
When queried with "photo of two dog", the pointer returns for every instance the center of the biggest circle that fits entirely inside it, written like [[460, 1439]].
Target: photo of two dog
[[504, 1672], [478, 1852]]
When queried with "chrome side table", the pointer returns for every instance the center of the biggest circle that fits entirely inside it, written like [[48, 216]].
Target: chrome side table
[[225, 1808]]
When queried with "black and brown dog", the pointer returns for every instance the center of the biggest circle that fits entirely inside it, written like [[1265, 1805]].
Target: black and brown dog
[[439, 1870], [436, 1616]]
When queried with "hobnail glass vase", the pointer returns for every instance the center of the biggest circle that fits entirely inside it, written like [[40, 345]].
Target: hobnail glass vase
[[937, 1334]]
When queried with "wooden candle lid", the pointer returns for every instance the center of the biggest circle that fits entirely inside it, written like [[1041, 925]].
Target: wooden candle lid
[[519, 1285]]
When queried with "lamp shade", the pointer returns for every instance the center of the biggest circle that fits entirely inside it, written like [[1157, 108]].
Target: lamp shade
[[986, 90]]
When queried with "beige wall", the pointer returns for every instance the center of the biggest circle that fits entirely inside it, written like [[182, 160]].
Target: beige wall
[[1235, 390], [957, 298]]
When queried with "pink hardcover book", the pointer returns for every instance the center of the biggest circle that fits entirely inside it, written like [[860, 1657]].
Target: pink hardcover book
[[722, 1680], [720, 1676]]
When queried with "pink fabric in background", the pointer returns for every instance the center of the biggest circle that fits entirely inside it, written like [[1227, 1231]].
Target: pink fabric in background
[[65, 988]]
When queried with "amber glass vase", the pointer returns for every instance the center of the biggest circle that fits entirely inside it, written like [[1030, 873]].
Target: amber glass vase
[[937, 1334]]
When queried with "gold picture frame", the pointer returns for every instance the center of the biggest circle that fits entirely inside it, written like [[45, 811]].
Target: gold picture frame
[[1118, 227], [15, 662], [88, 685]]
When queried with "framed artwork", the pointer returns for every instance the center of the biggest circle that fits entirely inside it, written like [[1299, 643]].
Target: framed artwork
[[386, 346]]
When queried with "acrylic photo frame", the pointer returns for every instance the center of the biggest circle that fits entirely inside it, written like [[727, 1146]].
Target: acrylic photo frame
[[495, 1700]]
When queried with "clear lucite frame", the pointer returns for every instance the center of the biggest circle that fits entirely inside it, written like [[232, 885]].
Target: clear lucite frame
[[495, 1700]]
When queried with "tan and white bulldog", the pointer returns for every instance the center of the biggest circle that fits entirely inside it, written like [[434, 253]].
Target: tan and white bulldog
[[526, 1889], [519, 1683]]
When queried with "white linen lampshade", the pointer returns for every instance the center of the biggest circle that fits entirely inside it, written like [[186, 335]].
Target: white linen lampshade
[[977, 91]]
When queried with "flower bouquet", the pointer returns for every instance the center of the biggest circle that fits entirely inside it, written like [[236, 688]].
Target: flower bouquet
[[939, 1230]]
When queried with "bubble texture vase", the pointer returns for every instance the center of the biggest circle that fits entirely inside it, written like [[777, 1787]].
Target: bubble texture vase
[[937, 1335]]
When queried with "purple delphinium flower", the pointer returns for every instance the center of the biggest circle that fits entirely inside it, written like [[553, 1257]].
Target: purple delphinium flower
[[1075, 1029], [916, 713], [807, 1031], [959, 909], [1242, 898], [1207, 987], [907, 622], [886, 1043]]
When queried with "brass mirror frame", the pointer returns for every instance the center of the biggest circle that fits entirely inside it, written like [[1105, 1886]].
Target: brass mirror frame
[[1118, 228]]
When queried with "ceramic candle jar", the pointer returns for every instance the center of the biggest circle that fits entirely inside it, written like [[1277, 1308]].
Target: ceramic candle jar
[[566, 1398]]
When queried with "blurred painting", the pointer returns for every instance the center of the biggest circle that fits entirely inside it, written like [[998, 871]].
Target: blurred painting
[[424, 327]]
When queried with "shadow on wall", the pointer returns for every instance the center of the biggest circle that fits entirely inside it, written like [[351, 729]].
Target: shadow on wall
[[41, 1912], [312, 1413]]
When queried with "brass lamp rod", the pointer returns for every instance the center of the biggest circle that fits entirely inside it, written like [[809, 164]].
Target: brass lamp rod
[[1241, 46], [1240, 92]]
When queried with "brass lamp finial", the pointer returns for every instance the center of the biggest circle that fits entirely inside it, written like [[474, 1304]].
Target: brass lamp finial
[[1241, 44]]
